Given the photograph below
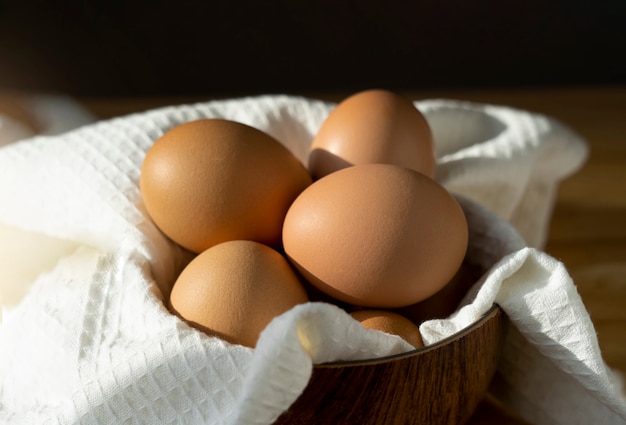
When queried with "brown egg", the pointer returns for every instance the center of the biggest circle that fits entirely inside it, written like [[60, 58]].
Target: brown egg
[[373, 126], [376, 235], [213, 180], [315, 295], [445, 302], [234, 289], [391, 323]]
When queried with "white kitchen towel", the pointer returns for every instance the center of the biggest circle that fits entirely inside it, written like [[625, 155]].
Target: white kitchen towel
[[91, 341], [51, 114]]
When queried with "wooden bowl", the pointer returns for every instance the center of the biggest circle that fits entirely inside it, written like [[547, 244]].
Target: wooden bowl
[[439, 384]]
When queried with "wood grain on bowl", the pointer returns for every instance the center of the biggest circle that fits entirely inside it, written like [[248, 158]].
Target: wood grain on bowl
[[440, 384]]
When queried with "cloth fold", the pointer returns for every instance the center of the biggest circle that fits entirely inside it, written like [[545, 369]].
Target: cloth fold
[[91, 341]]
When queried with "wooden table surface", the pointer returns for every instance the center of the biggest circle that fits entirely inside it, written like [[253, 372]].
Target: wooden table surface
[[588, 228]]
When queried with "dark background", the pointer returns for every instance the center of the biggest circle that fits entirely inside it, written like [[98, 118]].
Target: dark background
[[193, 47]]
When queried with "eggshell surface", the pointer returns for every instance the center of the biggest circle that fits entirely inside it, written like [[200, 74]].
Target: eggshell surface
[[213, 180], [376, 235], [234, 289], [373, 126], [446, 301], [391, 323]]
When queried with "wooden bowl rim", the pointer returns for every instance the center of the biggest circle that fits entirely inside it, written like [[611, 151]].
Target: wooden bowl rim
[[488, 315]]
